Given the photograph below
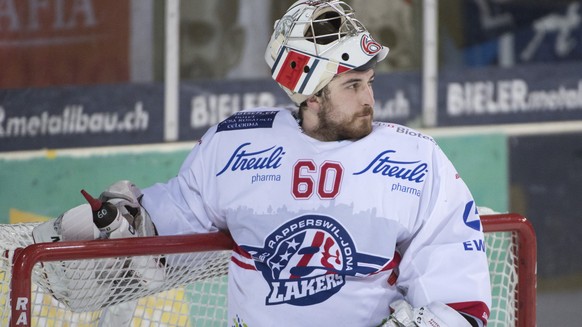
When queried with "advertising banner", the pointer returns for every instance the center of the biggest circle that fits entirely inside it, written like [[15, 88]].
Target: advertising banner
[[64, 42], [537, 93], [537, 31], [397, 95], [67, 117], [118, 114]]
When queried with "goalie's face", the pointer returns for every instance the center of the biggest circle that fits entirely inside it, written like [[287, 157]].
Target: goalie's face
[[344, 110]]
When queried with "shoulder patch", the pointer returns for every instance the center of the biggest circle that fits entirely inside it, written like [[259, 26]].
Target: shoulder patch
[[247, 120], [406, 131]]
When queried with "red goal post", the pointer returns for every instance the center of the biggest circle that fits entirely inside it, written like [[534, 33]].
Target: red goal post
[[510, 242], [515, 287]]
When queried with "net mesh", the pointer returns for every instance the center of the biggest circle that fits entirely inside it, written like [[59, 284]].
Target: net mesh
[[192, 293], [106, 291], [502, 254]]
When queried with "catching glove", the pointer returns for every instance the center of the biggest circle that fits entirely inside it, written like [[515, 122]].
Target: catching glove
[[116, 214], [90, 284]]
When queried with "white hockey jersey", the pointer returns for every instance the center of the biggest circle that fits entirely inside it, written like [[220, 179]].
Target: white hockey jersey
[[328, 233]]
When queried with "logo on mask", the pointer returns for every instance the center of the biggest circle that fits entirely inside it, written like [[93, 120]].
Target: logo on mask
[[369, 45]]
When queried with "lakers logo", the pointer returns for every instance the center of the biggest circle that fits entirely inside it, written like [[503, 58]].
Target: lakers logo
[[306, 260]]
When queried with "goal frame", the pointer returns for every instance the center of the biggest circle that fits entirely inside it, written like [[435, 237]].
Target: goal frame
[[526, 261], [26, 258]]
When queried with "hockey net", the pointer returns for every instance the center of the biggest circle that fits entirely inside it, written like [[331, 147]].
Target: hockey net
[[106, 286]]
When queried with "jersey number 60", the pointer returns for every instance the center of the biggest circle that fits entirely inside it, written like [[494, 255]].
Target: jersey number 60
[[308, 178]]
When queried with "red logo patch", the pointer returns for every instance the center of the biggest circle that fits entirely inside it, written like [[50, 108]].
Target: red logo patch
[[369, 45]]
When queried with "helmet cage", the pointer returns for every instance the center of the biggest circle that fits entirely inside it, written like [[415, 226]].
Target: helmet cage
[[313, 42], [327, 13]]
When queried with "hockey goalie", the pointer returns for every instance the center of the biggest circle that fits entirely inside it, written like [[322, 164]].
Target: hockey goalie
[[337, 220]]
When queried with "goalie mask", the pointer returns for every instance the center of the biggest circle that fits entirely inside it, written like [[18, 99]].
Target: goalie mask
[[315, 41]]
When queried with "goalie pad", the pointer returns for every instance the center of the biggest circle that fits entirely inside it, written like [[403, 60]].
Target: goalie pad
[[436, 314]]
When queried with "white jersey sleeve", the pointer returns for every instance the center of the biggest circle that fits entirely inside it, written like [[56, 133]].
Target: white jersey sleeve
[[178, 206], [446, 256]]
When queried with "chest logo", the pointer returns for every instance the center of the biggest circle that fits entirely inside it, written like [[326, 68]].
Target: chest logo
[[385, 165], [244, 159], [306, 260]]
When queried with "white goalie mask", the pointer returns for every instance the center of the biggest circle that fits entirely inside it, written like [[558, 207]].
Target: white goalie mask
[[313, 42]]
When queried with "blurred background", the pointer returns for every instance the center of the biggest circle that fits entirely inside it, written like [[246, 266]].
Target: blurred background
[[92, 91]]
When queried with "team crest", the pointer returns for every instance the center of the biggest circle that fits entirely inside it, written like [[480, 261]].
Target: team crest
[[306, 260]]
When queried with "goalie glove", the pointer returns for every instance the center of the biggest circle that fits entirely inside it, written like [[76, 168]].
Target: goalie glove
[[436, 314], [126, 196], [77, 283], [88, 283], [94, 220], [116, 214]]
